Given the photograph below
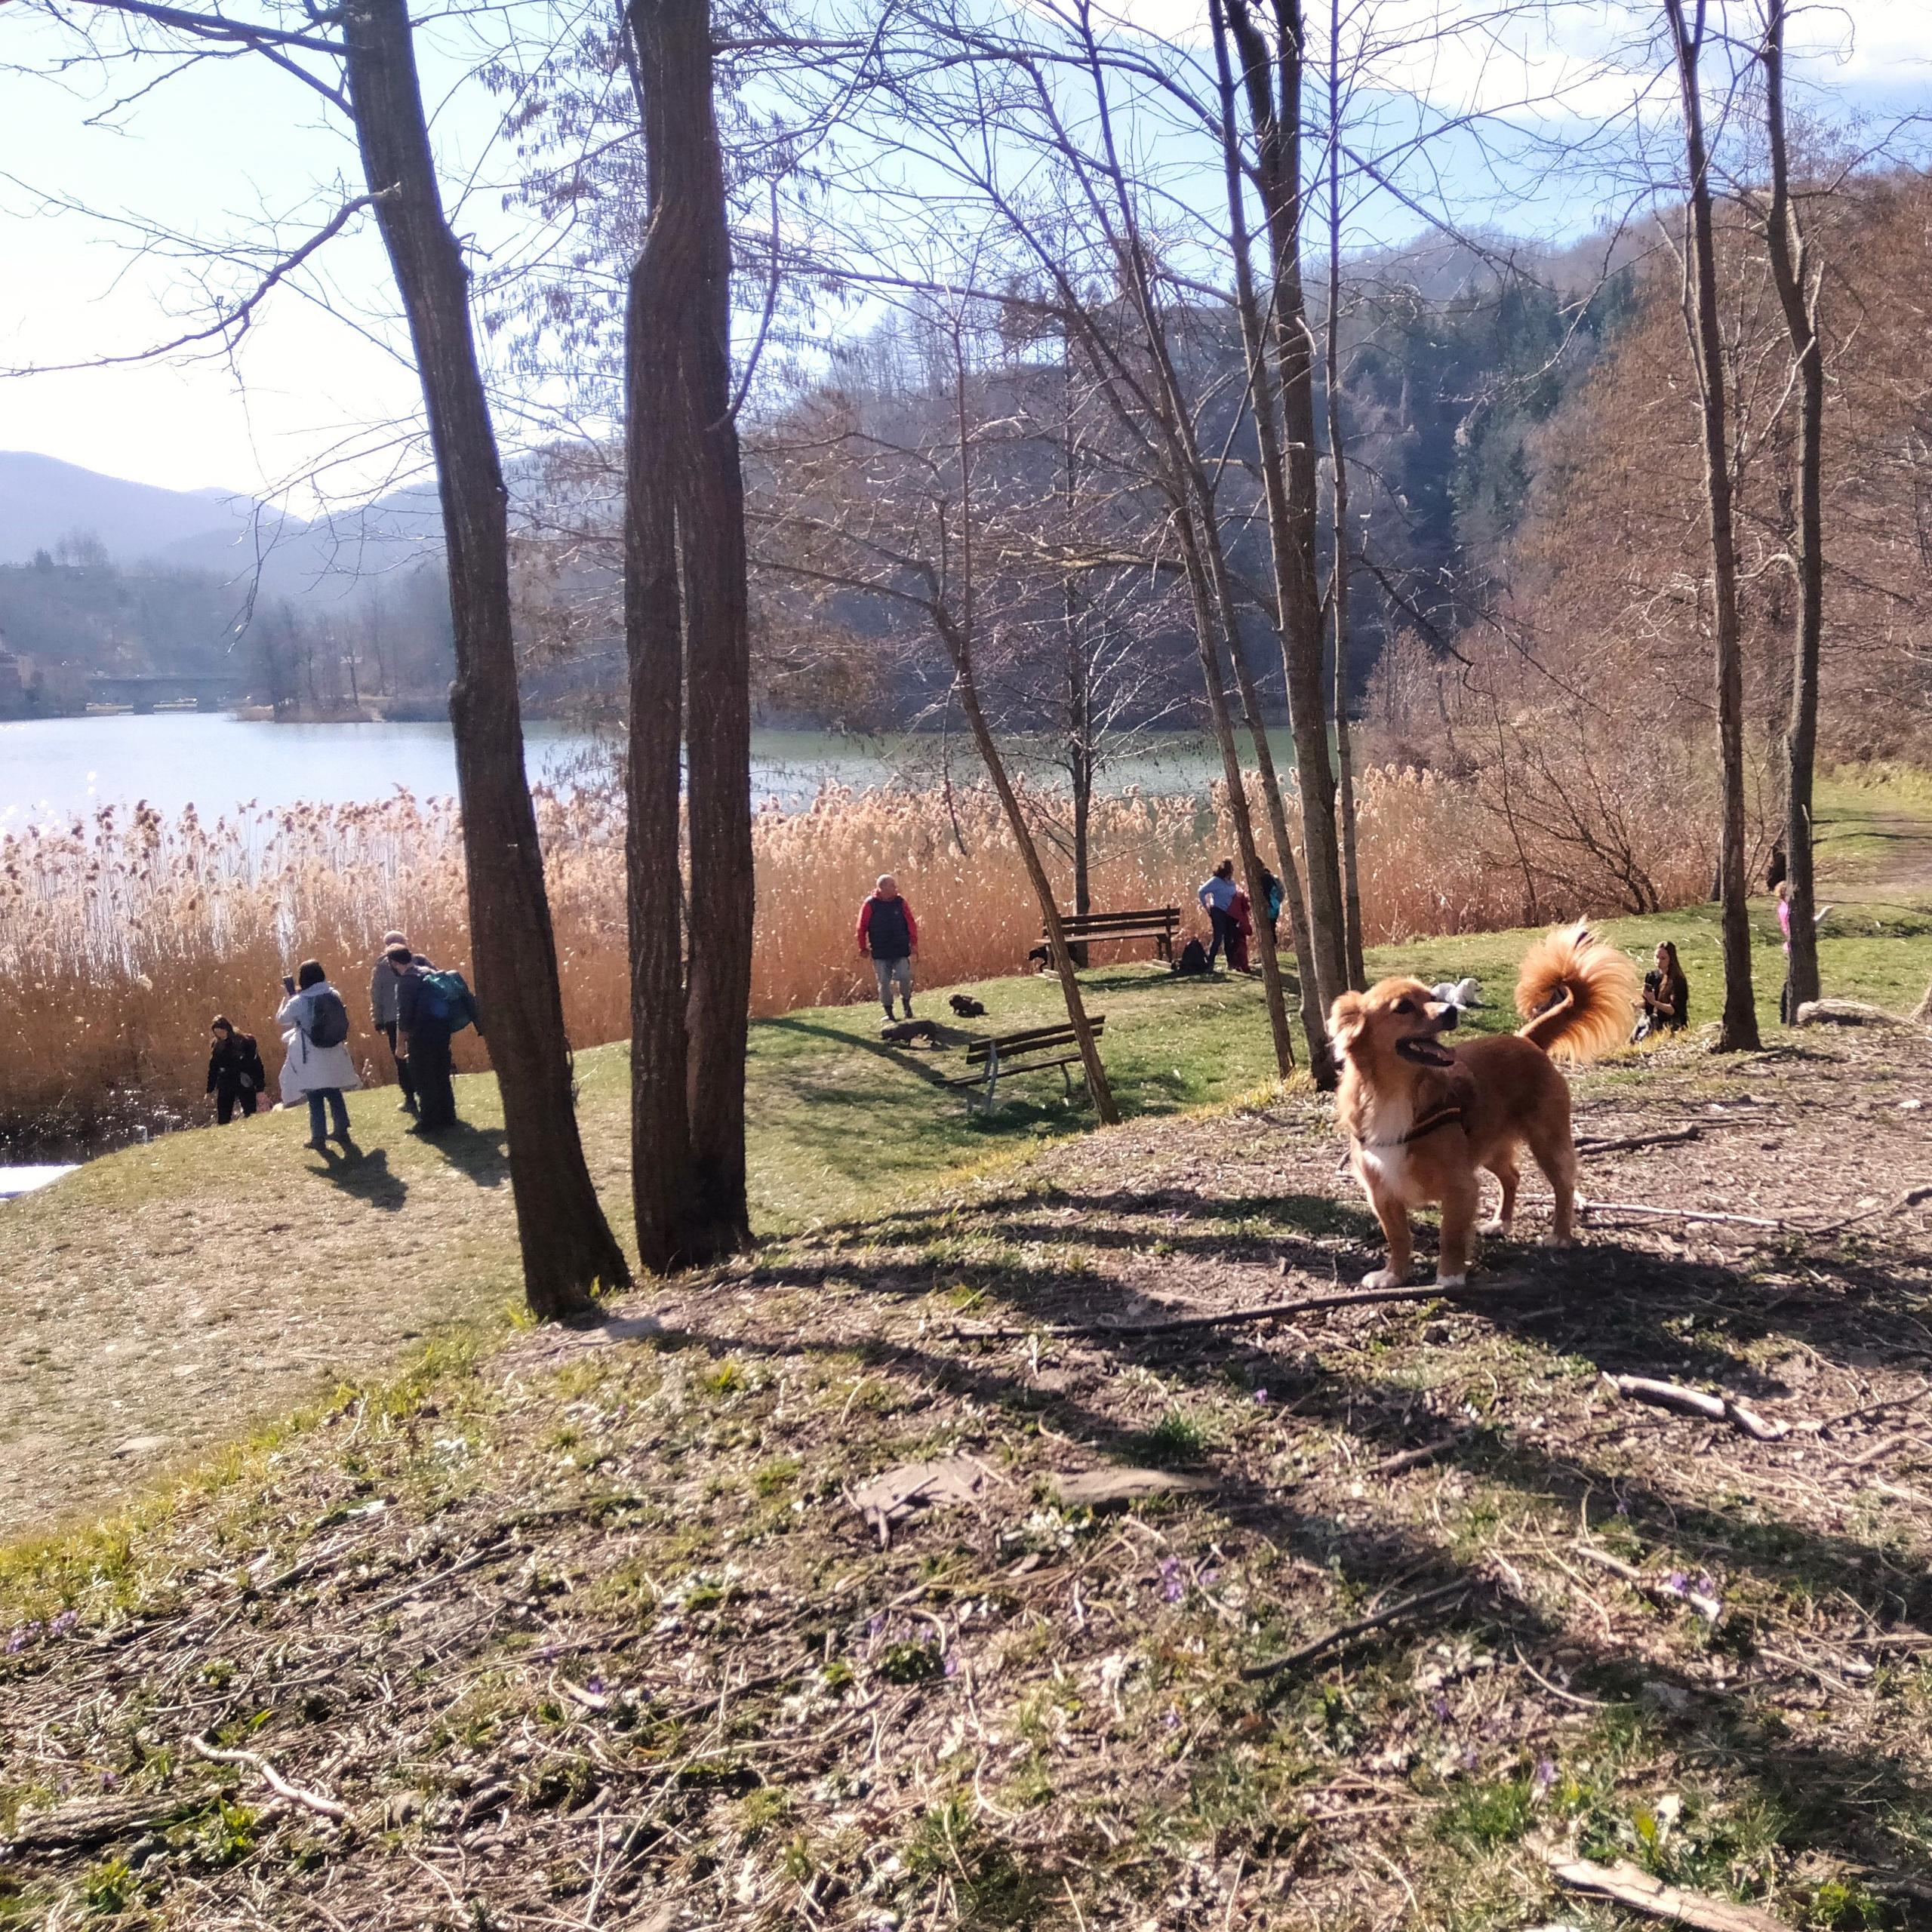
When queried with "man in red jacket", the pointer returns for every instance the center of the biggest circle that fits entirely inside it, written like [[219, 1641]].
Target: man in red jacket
[[889, 933]]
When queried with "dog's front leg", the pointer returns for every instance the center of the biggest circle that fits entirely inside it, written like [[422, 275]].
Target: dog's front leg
[[1459, 1227], [1392, 1212]]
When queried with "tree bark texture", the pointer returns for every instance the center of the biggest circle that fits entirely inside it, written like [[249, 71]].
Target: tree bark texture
[[1738, 1029], [568, 1248], [1289, 479], [1797, 283], [1338, 576], [686, 618]]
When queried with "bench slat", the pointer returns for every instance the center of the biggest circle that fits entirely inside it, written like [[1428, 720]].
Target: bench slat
[[1006, 1068], [1036, 1039]]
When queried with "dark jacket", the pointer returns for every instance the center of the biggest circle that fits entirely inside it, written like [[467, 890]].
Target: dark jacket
[[1677, 1009], [413, 1010], [236, 1066], [886, 927]]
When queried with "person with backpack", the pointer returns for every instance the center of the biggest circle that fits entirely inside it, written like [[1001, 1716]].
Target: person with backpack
[[431, 1006], [236, 1075], [888, 932], [384, 982], [320, 1064]]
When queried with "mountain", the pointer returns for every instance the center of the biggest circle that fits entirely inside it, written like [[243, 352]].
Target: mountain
[[43, 499]]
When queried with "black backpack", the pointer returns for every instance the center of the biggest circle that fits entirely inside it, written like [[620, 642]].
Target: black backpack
[[328, 1019], [1193, 958]]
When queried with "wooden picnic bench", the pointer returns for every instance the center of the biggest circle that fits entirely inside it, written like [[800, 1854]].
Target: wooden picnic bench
[[1158, 923], [1038, 1050]]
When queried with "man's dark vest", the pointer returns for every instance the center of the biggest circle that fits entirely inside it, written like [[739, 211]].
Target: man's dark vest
[[887, 935]]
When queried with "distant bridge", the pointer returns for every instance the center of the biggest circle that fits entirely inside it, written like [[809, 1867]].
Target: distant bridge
[[210, 691]]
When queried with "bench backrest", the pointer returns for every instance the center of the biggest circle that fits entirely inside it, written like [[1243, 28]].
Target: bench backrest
[[1036, 1040], [1154, 918]]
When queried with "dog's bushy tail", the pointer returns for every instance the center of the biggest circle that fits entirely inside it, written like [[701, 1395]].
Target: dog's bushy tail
[[1577, 992]]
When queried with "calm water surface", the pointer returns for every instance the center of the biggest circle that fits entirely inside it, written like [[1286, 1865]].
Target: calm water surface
[[52, 768]]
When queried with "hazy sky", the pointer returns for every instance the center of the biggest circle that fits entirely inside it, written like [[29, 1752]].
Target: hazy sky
[[215, 152]]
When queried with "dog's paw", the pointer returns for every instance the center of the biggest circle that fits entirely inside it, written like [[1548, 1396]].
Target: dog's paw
[[1382, 1278], [1493, 1227], [1452, 1280], [1553, 1239]]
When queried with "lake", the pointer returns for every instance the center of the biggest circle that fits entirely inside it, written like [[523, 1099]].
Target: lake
[[52, 769]]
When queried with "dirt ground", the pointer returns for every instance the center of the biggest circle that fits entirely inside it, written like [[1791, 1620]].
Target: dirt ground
[[592, 1634]]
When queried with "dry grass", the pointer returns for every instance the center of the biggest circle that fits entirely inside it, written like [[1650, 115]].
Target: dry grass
[[121, 935]]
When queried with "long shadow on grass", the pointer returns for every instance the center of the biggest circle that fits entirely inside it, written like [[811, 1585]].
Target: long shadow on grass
[[367, 1178], [1831, 1799], [480, 1153]]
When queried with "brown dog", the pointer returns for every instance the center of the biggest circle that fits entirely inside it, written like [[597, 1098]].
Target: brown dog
[[1424, 1118]]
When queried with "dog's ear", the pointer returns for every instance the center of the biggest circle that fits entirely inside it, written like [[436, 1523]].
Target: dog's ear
[[1346, 1017]]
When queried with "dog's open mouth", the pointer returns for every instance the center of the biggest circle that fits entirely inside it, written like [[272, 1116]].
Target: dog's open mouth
[[1425, 1049]]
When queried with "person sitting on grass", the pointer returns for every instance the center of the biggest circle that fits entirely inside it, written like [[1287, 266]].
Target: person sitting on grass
[[235, 1073], [318, 1043], [1667, 996], [890, 935], [1216, 896]]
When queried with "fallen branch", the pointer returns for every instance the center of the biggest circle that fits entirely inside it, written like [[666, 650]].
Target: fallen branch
[[1273, 1311], [1343, 1632], [1697, 1402], [1644, 1211], [253, 1760], [1661, 1594], [1912, 1197], [1866, 1411], [1630, 1885], [1409, 1458], [1626, 1141]]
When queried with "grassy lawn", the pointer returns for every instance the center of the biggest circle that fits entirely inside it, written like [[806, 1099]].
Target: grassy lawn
[[176, 1293]]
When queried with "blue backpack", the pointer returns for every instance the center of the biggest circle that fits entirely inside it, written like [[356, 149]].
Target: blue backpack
[[446, 998]]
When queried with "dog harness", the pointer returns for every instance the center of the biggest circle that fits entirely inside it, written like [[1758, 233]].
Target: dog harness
[[1442, 1116]]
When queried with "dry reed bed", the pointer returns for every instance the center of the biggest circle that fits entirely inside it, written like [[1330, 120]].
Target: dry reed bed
[[122, 935]]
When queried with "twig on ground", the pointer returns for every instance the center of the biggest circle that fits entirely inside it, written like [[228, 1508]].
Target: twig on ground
[[312, 1801], [1912, 1197], [1882, 1447], [1626, 1141], [1408, 1459], [1644, 1211], [1696, 1401], [1658, 1592], [1631, 1885], [1263, 1312], [1343, 1632], [1865, 1413]]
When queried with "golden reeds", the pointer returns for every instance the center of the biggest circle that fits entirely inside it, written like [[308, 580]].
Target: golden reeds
[[120, 936]]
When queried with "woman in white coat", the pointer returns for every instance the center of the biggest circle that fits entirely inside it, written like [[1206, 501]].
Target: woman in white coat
[[319, 1063]]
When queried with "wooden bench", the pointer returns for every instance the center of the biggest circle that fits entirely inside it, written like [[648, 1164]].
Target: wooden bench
[[1158, 923], [1037, 1050]]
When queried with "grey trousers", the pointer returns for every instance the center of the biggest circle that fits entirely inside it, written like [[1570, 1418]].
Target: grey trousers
[[888, 972]]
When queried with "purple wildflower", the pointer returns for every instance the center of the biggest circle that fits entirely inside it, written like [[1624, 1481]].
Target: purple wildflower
[[1544, 1774], [1440, 1708], [875, 1624], [595, 1686], [1208, 1577], [63, 1623], [1261, 1398], [1677, 1582], [1172, 1588], [1707, 1585], [952, 1666]]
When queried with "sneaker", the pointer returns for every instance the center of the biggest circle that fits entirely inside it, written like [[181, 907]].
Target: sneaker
[[405, 1106], [316, 1146]]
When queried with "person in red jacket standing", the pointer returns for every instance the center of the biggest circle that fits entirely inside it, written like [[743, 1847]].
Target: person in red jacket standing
[[889, 934]]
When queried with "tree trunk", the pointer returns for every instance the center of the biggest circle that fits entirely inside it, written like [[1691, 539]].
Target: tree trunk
[[1338, 577], [1798, 289], [686, 521], [1738, 1030], [1289, 478], [568, 1250], [1079, 679], [959, 637]]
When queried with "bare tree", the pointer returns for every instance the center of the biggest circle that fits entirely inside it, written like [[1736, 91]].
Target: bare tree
[[1797, 279], [1689, 37], [687, 631], [362, 61]]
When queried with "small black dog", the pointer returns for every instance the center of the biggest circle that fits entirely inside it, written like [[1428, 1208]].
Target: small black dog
[[910, 1032], [966, 1006], [1041, 959]]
